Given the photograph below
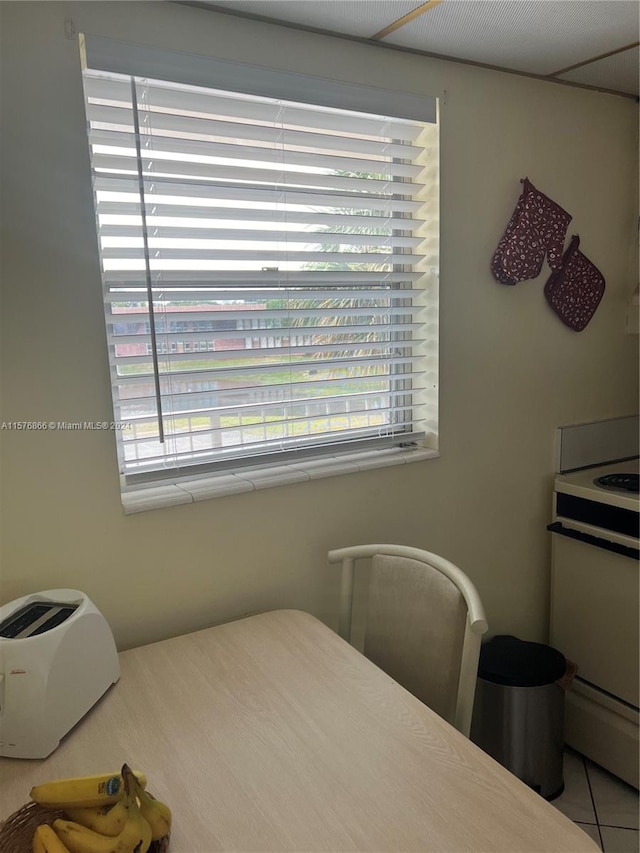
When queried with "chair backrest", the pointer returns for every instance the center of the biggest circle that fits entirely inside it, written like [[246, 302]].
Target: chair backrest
[[424, 624]]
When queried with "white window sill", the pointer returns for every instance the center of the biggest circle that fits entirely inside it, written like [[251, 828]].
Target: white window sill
[[220, 485]]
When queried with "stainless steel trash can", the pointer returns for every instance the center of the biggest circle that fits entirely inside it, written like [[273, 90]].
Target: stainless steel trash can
[[518, 715]]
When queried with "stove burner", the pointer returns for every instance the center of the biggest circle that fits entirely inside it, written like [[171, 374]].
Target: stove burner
[[626, 482]]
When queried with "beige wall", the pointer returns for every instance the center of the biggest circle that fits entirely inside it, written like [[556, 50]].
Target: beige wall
[[510, 371]]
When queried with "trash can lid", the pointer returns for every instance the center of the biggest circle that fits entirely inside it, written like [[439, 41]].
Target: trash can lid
[[518, 663]]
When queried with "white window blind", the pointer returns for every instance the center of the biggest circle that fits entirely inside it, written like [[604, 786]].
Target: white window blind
[[263, 271]]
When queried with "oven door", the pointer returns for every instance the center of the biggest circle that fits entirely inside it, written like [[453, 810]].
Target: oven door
[[594, 612]]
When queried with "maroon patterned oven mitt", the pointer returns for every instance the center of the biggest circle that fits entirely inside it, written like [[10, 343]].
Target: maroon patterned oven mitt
[[538, 227], [574, 291]]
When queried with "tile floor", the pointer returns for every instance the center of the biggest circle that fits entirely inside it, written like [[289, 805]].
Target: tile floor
[[605, 807]]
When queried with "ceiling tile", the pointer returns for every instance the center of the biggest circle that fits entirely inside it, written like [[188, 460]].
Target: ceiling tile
[[361, 18], [619, 72], [538, 36], [532, 36]]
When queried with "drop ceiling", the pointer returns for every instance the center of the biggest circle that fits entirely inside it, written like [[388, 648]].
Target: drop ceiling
[[585, 42]]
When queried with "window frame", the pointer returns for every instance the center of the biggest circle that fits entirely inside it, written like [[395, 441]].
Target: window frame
[[153, 488]]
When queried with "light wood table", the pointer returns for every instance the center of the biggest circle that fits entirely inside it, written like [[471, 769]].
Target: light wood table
[[273, 734]]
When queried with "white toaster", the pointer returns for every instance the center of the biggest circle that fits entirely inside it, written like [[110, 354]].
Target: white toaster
[[57, 658]]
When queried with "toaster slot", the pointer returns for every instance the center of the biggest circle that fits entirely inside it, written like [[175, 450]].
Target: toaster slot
[[22, 619], [57, 619], [35, 618]]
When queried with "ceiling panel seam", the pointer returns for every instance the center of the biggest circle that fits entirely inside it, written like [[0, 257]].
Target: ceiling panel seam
[[405, 19], [595, 59]]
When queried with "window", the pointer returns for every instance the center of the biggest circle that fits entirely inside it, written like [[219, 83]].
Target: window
[[267, 280]]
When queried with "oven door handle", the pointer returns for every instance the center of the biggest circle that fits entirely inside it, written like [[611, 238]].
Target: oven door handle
[[596, 541]]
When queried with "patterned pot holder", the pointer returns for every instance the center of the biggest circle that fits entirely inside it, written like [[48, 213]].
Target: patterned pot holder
[[538, 227], [574, 291]]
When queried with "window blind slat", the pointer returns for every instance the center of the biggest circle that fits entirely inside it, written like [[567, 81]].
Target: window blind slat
[[126, 161], [372, 349], [163, 144], [189, 232], [197, 404], [329, 407], [159, 253], [332, 314], [106, 208], [351, 362], [265, 332], [114, 117], [237, 278], [382, 205], [226, 295], [170, 383]]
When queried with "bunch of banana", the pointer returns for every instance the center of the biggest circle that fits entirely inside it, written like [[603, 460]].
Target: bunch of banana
[[106, 814]]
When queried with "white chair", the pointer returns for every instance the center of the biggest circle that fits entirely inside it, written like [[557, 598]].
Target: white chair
[[424, 624]]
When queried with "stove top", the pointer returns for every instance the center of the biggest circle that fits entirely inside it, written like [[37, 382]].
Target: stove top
[[615, 484]]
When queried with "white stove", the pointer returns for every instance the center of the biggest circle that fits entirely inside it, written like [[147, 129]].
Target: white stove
[[610, 513], [595, 595]]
